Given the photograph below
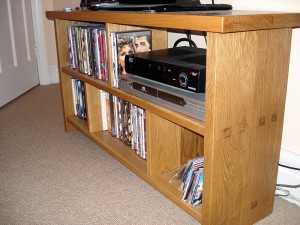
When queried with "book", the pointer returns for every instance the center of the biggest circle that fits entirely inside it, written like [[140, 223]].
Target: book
[[196, 190], [84, 116], [192, 181], [107, 100], [133, 116], [112, 114], [125, 43], [80, 99], [99, 57], [143, 133], [103, 109], [103, 54], [87, 49], [96, 54], [114, 64], [71, 48], [116, 118], [74, 95], [124, 121], [127, 123], [120, 118]]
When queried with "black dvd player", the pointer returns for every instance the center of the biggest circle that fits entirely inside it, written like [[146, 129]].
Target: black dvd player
[[181, 67]]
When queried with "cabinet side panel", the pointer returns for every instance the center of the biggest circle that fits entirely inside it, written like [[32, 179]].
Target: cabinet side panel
[[63, 60], [246, 89]]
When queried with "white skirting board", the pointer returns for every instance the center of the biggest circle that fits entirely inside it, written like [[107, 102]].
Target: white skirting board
[[53, 74], [289, 176]]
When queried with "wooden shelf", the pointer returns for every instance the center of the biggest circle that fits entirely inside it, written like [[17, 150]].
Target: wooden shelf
[[130, 159], [213, 21], [194, 125]]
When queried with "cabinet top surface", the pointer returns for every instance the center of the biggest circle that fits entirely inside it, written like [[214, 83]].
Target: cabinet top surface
[[211, 21]]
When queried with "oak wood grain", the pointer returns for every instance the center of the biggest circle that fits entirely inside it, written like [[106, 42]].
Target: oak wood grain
[[93, 108], [246, 86], [63, 60], [210, 21]]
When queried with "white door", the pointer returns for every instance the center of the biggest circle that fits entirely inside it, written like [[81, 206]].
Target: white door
[[18, 65]]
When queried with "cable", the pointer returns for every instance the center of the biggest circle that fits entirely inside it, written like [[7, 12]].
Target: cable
[[189, 36], [205, 39], [192, 43], [288, 185], [289, 167], [286, 194]]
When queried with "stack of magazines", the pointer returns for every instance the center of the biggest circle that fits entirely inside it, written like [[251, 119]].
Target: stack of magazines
[[192, 181]]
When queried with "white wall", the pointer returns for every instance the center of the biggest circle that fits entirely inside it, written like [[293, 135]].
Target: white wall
[[49, 5]]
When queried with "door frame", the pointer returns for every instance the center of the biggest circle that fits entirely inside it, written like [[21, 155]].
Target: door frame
[[40, 41]]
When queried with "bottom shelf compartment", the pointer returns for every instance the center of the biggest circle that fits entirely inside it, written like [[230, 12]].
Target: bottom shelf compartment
[[113, 146], [170, 190], [136, 164]]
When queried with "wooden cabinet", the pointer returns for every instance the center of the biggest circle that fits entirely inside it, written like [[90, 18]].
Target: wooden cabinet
[[246, 79]]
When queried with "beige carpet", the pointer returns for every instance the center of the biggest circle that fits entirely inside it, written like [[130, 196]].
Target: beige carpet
[[48, 176]]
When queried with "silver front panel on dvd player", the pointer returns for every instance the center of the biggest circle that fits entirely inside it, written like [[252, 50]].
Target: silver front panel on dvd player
[[182, 101]]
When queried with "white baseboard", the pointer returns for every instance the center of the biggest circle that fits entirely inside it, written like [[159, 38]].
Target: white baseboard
[[289, 176], [53, 74]]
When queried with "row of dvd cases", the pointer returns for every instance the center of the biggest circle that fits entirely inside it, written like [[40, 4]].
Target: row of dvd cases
[[122, 119], [87, 47]]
